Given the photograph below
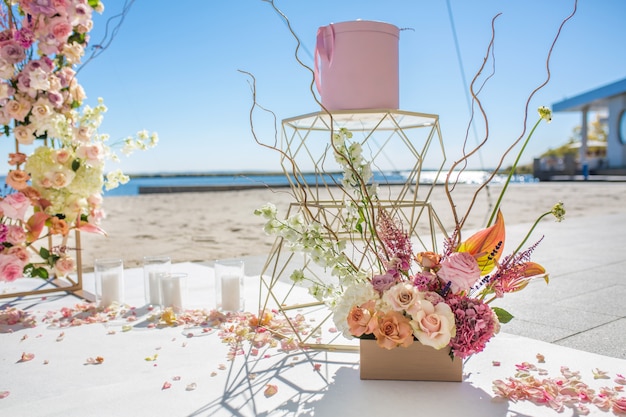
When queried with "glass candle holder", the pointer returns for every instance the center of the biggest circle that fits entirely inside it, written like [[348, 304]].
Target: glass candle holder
[[109, 273], [229, 285], [173, 291], [153, 268]]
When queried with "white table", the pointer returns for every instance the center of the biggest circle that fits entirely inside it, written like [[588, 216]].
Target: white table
[[59, 382]]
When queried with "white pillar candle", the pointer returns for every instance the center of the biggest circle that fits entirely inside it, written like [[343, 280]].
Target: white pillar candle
[[111, 288], [172, 290], [154, 288], [231, 294]]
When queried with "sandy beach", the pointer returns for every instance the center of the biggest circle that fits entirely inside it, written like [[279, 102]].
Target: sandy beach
[[217, 225]]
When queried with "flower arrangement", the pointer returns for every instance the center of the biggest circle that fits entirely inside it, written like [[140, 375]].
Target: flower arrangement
[[439, 299], [58, 187]]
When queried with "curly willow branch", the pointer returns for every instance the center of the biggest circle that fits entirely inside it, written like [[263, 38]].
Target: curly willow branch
[[460, 223]]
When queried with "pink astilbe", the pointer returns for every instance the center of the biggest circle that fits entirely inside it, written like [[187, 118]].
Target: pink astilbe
[[398, 251], [475, 325]]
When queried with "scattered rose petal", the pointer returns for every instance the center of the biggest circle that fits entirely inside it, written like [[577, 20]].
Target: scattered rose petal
[[317, 366], [191, 387], [94, 361], [495, 363], [111, 332], [213, 373], [621, 379], [27, 357], [541, 358], [4, 394], [60, 336], [332, 330], [152, 358], [598, 374], [176, 378], [221, 367], [270, 390], [45, 362], [166, 385], [252, 377], [24, 338], [127, 328]]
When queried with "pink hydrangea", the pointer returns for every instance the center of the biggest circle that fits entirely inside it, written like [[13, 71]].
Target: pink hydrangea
[[475, 325]]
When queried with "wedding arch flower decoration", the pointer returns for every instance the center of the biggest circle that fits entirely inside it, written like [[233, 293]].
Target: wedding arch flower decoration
[[58, 187]]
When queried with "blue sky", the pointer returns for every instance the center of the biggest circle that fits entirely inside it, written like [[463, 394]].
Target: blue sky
[[173, 68]]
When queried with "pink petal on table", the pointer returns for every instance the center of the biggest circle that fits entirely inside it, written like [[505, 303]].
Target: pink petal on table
[[166, 385], [27, 357], [176, 378], [495, 363], [270, 390], [4, 394], [191, 387]]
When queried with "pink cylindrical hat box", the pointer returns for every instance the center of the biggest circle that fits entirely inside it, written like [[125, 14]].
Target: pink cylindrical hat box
[[356, 65]]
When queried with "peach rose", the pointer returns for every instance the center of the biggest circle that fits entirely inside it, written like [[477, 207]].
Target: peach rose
[[17, 158], [434, 325], [461, 270], [58, 226], [428, 259], [360, 319], [17, 179], [394, 330]]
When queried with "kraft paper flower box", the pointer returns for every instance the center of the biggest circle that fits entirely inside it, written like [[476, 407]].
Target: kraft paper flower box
[[414, 363]]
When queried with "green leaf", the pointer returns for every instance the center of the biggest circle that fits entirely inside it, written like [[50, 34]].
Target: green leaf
[[44, 253], [40, 272], [75, 165], [94, 3], [503, 315]]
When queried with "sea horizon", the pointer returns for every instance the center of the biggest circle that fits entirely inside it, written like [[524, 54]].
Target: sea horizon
[[166, 181]]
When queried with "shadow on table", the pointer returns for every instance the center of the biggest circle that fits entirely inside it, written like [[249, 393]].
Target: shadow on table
[[323, 383]]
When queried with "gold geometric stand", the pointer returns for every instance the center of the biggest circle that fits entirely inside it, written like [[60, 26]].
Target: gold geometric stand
[[395, 142]]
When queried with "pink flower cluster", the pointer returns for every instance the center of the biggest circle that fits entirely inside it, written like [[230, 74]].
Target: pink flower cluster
[[475, 324], [40, 43], [443, 303]]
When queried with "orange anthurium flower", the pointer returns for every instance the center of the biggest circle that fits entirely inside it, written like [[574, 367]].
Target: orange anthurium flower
[[35, 225], [486, 246], [533, 269]]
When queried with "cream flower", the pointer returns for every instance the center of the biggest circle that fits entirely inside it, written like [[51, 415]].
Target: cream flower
[[434, 325]]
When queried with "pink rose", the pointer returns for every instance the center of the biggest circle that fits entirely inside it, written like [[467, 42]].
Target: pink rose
[[11, 268], [14, 206], [15, 235], [12, 52], [19, 252], [461, 270], [92, 153], [64, 266], [434, 325], [393, 330]]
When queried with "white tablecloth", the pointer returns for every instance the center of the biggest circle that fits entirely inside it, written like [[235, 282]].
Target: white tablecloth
[[60, 381]]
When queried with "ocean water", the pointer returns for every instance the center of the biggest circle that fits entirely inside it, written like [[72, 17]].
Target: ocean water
[[221, 180]]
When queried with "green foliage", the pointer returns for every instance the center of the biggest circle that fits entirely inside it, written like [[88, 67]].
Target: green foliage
[[503, 315]]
